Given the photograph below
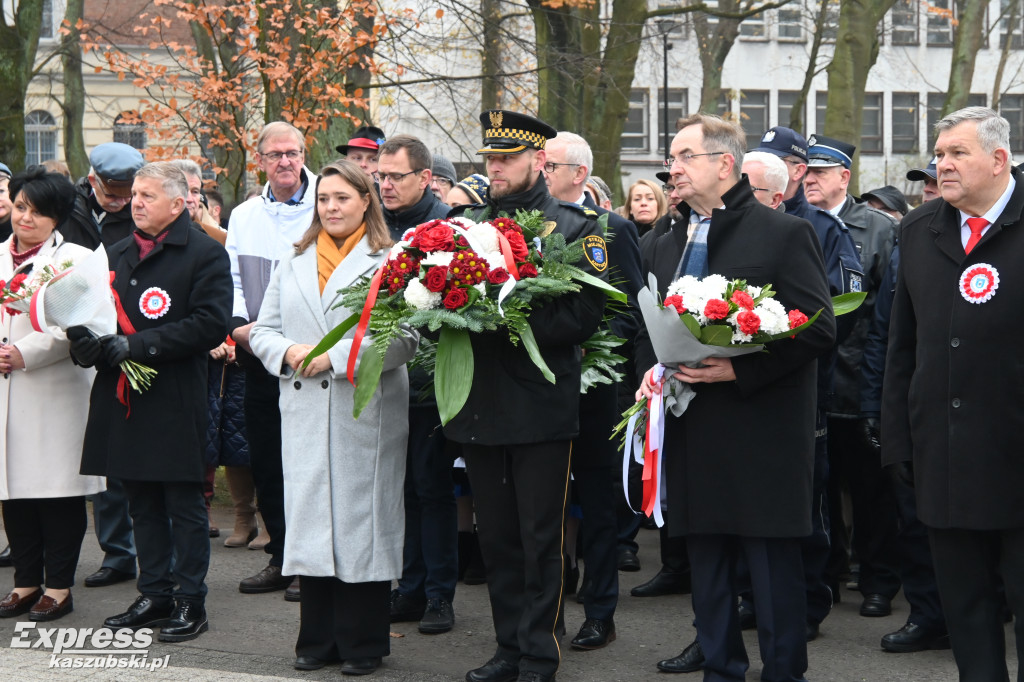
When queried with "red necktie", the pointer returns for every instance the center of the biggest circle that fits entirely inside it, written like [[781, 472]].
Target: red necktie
[[976, 225]]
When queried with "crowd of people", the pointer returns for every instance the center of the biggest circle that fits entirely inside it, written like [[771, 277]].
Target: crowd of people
[[903, 409]]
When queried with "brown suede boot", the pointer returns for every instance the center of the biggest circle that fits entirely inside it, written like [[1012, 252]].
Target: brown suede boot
[[243, 494], [263, 538]]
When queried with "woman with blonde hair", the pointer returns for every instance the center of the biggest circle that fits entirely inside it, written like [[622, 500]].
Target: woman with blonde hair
[[645, 204], [343, 477]]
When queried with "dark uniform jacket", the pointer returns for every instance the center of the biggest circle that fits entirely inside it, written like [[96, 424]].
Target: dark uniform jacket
[[874, 234], [739, 461], [426, 209], [81, 228], [954, 377], [511, 402], [164, 439]]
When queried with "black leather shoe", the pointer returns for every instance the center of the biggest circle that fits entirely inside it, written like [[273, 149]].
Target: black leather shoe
[[405, 609], [690, 661], [294, 591], [107, 576], [813, 629], [143, 613], [663, 583], [748, 621], [494, 670], [534, 676], [439, 617], [628, 560], [876, 606], [913, 637], [269, 579], [5, 557], [308, 663], [360, 666], [594, 634], [187, 622]]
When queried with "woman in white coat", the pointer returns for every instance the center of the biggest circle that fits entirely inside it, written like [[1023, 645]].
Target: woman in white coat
[[343, 478], [45, 398]]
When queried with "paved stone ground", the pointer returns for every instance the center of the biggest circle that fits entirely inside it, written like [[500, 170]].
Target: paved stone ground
[[251, 637]]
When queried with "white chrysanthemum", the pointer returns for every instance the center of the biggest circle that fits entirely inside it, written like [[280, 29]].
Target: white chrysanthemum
[[485, 237], [461, 221], [481, 287], [494, 260], [681, 286], [715, 286], [773, 316], [753, 291], [420, 297], [437, 258], [397, 249]]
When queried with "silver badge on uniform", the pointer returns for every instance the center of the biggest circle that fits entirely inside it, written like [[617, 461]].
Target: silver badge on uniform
[[856, 282]]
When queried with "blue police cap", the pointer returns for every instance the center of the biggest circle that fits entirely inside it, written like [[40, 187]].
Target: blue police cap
[[826, 151], [929, 171], [783, 142], [114, 165]]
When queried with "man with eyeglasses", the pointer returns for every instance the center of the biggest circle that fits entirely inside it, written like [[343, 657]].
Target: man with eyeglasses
[[594, 464], [261, 231], [852, 459], [517, 428], [768, 177], [430, 559], [730, 499]]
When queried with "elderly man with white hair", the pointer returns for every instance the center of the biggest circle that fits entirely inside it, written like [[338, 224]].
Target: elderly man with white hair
[[768, 177]]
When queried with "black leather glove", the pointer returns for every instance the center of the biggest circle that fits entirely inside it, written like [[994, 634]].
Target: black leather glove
[[902, 473], [115, 349], [870, 429], [85, 348]]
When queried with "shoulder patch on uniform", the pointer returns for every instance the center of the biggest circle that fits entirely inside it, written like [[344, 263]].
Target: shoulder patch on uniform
[[596, 252], [585, 210], [856, 282]]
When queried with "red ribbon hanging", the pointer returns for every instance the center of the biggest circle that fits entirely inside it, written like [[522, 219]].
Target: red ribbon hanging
[[506, 251], [127, 327], [364, 321], [650, 475]]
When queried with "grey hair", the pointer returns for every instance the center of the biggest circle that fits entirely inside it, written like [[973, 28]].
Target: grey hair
[[189, 167], [602, 186], [577, 151], [277, 129], [776, 175], [993, 129], [719, 136], [175, 185]]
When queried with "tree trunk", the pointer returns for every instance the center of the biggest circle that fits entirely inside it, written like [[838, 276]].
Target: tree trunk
[[1004, 53], [490, 87], [966, 44], [796, 116], [856, 52], [18, 44], [74, 92], [714, 48]]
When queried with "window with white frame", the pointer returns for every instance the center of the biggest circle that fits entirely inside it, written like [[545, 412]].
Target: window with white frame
[[786, 101], [904, 22], [635, 133], [905, 122], [40, 137], [790, 22], [940, 22], [831, 25], [1011, 107], [936, 100], [871, 127], [753, 28], [820, 107], [1010, 29], [754, 115], [46, 28]]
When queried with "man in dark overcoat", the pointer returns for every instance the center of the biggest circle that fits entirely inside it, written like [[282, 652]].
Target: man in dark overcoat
[[953, 388], [516, 428], [738, 462], [173, 285]]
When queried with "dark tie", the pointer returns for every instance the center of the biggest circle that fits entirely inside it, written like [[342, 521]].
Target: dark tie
[[976, 225]]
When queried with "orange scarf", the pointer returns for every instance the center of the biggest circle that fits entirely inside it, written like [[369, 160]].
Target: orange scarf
[[329, 255]]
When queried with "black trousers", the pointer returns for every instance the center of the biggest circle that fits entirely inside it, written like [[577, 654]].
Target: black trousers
[[777, 576], [46, 536], [916, 568], [340, 620], [520, 493], [263, 430], [172, 537], [967, 565]]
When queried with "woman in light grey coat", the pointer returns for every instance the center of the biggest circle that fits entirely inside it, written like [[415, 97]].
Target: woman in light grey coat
[[343, 477]]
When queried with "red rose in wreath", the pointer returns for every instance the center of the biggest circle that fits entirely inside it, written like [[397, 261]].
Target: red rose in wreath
[[527, 270], [519, 248], [456, 298], [438, 238], [437, 277], [497, 276]]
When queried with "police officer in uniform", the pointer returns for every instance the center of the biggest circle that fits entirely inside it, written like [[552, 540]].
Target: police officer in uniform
[[516, 427], [851, 457]]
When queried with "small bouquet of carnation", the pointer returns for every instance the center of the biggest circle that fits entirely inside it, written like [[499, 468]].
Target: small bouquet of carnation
[[455, 277], [69, 294], [700, 319]]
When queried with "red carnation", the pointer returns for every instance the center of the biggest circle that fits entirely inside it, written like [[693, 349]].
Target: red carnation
[[3, 284], [519, 248], [748, 322], [497, 276], [716, 309], [437, 238], [17, 281], [437, 277], [742, 299], [527, 270], [796, 318], [456, 298], [676, 302], [12, 311]]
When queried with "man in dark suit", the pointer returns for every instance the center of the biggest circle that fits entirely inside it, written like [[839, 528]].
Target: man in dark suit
[[953, 391], [729, 494], [569, 161]]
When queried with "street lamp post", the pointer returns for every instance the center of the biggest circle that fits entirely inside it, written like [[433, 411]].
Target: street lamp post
[[665, 26]]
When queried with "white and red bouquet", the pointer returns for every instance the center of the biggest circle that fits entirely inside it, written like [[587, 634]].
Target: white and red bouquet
[[70, 294], [700, 319], [457, 276]]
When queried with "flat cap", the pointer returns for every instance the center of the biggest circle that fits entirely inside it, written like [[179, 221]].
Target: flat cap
[[114, 165], [891, 197]]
